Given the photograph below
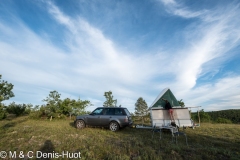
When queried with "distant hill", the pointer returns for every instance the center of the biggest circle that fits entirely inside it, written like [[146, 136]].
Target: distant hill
[[230, 114]]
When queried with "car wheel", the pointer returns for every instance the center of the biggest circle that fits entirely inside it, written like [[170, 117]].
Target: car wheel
[[114, 126], [80, 124]]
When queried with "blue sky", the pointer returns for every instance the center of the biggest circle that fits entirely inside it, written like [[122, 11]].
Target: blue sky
[[133, 48]]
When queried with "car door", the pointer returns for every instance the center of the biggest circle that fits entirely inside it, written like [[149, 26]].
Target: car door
[[108, 113], [94, 118]]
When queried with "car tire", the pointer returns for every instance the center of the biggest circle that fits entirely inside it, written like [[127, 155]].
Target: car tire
[[80, 124], [113, 126]]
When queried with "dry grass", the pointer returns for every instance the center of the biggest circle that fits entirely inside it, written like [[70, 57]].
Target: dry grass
[[210, 141]]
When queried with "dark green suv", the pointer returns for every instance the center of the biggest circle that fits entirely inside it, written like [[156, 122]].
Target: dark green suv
[[112, 117]]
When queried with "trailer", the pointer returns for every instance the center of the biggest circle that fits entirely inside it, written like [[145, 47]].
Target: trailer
[[160, 117]]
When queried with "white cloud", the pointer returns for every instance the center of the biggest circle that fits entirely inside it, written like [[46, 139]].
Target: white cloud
[[207, 41], [90, 44], [224, 94], [180, 10], [93, 64]]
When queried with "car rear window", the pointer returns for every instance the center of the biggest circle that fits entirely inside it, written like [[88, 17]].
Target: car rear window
[[127, 112], [118, 111], [109, 111], [113, 111]]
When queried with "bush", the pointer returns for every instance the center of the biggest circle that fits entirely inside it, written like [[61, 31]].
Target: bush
[[53, 115], [2, 115], [11, 116], [35, 115], [62, 116], [223, 120], [2, 112], [204, 116], [17, 109]]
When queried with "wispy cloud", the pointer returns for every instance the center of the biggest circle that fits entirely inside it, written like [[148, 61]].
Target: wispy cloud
[[94, 64], [180, 10], [223, 94], [209, 42]]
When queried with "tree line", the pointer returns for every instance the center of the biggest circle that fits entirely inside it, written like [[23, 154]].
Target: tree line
[[55, 107], [224, 116]]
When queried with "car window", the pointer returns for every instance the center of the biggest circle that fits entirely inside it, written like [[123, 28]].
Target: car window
[[109, 111], [127, 112], [118, 111], [98, 111]]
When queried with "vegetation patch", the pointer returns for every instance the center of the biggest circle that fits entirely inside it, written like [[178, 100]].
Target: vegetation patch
[[209, 141]]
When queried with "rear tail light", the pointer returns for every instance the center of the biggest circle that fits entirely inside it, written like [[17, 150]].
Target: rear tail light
[[126, 119]]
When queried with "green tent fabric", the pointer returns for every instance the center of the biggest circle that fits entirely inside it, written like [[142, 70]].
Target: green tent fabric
[[168, 95]]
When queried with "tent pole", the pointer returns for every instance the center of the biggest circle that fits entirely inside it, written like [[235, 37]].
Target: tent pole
[[198, 116]]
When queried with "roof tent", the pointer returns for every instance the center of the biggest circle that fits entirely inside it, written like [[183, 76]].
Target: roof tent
[[166, 94]]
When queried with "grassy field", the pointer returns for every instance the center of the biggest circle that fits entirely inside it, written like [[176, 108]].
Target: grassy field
[[210, 141]]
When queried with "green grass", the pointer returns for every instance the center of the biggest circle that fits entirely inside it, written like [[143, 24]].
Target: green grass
[[210, 141]]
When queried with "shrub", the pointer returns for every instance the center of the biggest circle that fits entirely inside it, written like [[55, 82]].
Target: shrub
[[11, 116], [35, 115], [2, 112], [17, 109], [223, 120], [2, 115], [204, 117], [52, 115], [62, 116]]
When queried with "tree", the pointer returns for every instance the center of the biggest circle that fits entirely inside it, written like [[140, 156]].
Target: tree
[[5, 90], [53, 98], [141, 108], [28, 109], [204, 117], [80, 106], [57, 108], [69, 107], [66, 106], [53, 104], [181, 103], [109, 100]]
